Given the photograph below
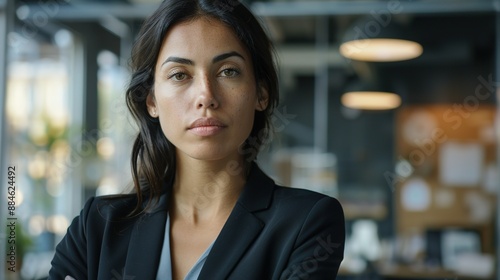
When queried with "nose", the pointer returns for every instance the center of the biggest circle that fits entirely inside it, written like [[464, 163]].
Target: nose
[[206, 95]]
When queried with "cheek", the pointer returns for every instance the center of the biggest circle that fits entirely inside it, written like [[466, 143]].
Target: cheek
[[242, 106], [170, 114], [246, 112]]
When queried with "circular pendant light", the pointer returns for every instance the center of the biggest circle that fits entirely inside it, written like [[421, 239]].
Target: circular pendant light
[[376, 39], [371, 100], [381, 50]]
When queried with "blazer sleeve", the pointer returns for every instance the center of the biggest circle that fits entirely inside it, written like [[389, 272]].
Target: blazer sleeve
[[71, 253], [319, 247]]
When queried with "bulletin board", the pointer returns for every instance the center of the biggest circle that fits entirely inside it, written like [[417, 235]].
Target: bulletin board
[[446, 173]]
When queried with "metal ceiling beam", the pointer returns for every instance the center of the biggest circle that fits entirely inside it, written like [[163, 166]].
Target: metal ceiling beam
[[93, 11], [322, 8], [305, 58]]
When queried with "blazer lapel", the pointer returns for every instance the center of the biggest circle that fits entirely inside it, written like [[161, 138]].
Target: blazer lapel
[[146, 243], [241, 228]]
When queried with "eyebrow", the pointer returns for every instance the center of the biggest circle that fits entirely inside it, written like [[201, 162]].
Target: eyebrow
[[214, 60], [178, 60], [226, 55]]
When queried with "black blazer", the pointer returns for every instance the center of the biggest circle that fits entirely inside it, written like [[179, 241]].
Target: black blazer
[[273, 232]]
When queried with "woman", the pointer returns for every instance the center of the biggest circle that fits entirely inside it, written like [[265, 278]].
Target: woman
[[202, 92]]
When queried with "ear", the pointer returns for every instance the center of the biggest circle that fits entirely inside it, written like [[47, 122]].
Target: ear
[[262, 99], [151, 105]]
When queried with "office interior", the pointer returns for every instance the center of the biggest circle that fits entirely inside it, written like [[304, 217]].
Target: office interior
[[417, 173]]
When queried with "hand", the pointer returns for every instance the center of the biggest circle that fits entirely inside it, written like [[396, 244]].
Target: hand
[[69, 278]]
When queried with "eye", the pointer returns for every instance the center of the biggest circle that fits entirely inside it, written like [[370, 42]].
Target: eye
[[179, 76], [229, 72]]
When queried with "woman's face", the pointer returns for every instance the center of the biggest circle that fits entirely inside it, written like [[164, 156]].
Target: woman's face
[[205, 92]]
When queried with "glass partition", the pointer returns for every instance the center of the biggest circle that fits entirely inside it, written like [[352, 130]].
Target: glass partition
[[42, 133]]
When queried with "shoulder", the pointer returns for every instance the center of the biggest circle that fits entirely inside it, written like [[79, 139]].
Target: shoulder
[[302, 199], [262, 193], [298, 211], [313, 226], [302, 218], [109, 208], [310, 215]]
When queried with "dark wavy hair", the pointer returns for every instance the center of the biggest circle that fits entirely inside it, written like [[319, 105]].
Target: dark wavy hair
[[153, 155]]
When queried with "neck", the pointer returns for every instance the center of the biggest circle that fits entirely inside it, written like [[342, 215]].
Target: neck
[[206, 190]]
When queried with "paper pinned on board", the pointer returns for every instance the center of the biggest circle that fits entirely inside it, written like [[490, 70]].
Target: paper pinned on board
[[415, 195], [460, 164]]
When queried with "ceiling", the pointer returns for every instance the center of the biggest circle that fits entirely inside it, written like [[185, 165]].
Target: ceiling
[[455, 34]]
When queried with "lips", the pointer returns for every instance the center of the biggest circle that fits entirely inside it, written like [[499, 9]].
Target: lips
[[206, 126]]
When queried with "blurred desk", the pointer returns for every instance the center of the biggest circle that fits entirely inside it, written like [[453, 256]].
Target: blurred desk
[[405, 272], [416, 272]]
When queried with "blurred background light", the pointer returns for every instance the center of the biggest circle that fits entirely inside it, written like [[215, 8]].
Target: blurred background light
[[38, 165], [63, 38], [57, 224], [105, 147], [381, 50], [36, 225], [371, 100], [23, 12]]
